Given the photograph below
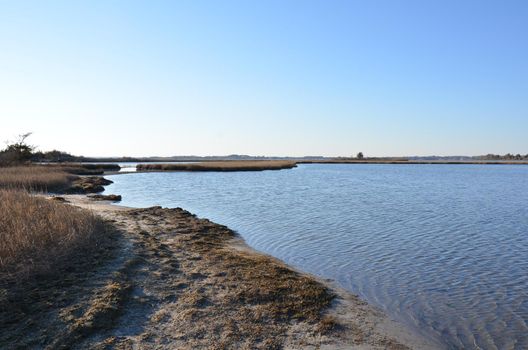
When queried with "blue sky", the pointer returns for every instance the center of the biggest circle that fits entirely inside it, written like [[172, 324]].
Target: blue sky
[[266, 77]]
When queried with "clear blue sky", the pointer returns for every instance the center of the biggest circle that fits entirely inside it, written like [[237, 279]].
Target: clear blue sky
[[266, 77]]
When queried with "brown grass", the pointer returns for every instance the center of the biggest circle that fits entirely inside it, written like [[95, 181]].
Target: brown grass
[[83, 168], [37, 234], [35, 178], [220, 166], [55, 178]]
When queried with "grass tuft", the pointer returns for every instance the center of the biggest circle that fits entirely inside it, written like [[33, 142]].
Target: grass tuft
[[35, 178], [37, 234], [55, 178]]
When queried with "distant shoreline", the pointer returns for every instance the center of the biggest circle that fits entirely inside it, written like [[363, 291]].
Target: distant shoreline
[[483, 162], [261, 165], [245, 165]]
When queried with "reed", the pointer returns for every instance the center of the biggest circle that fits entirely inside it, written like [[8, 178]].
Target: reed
[[36, 235], [83, 168], [220, 166], [35, 178]]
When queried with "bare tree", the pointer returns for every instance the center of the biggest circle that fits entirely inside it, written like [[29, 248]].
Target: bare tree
[[17, 151]]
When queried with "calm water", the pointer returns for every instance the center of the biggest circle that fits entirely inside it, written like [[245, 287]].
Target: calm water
[[440, 247]]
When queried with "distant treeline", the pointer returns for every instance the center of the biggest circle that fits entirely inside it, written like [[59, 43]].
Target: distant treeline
[[495, 157], [191, 158], [19, 152], [507, 156]]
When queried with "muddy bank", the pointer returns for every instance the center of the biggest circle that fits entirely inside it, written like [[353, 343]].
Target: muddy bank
[[166, 279], [87, 184]]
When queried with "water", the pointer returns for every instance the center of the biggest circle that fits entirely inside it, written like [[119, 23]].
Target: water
[[443, 248]]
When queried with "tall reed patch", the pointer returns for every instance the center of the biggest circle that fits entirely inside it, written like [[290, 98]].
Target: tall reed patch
[[242, 165], [37, 234], [35, 178]]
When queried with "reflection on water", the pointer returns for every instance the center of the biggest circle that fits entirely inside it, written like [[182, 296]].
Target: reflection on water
[[441, 247]]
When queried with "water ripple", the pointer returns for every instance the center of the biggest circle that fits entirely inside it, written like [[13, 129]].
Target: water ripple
[[442, 248]]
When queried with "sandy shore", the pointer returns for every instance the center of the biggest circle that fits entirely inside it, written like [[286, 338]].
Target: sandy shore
[[169, 280]]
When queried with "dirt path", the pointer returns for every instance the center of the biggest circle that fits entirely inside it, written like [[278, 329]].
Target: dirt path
[[169, 280]]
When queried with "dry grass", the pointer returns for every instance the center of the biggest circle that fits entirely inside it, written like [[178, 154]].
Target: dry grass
[[56, 178], [83, 168], [37, 234], [35, 178], [220, 166]]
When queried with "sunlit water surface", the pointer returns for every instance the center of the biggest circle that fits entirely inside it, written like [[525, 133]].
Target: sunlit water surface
[[443, 248]]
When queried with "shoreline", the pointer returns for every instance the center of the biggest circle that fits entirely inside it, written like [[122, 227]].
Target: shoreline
[[354, 323], [219, 166], [351, 162], [416, 162]]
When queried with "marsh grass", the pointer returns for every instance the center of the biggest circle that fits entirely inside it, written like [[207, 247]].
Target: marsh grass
[[83, 168], [35, 178], [37, 234], [48, 177], [220, 166]]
